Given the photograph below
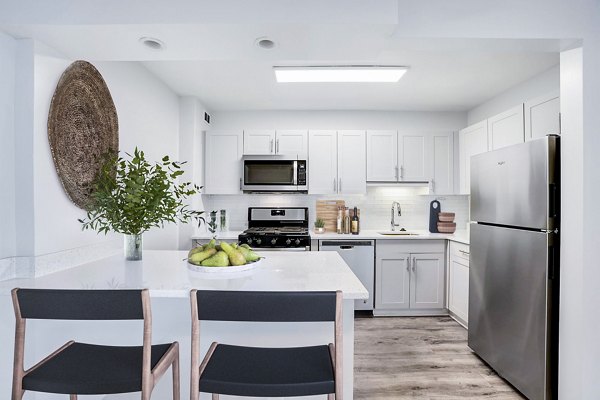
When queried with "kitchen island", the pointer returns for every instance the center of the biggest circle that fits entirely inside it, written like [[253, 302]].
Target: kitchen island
[[166, 275]]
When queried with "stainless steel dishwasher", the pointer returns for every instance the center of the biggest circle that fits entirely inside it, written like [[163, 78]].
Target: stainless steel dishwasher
[[360, 257]]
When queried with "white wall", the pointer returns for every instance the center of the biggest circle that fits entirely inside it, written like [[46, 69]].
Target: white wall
[[148, 114], [8, 56], [540, 85]]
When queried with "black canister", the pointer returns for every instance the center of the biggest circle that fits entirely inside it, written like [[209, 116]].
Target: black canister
[[434, 210]]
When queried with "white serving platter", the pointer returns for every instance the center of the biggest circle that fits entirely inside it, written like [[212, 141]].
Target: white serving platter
[[224, 270]]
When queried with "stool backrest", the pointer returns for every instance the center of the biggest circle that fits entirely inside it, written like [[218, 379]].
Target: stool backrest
[[80, 304], [265, 306]]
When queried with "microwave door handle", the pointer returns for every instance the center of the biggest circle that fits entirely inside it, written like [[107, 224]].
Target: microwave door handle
[[295, 182]]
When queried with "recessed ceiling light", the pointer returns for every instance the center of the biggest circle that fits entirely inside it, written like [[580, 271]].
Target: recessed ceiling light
[[365, 73], [264, 43], [152, 43]]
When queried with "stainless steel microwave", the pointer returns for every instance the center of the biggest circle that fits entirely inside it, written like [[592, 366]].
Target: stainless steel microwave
[[265, 174]]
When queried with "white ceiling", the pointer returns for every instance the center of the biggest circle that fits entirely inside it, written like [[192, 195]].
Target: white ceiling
[[219, 63]]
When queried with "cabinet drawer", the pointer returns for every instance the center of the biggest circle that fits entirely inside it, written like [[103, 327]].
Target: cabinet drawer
[[459, 252]]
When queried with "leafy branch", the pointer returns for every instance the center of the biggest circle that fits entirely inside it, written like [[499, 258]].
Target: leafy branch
[[131, 195]]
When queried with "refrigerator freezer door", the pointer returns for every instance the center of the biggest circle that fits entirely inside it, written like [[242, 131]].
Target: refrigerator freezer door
[[508, 306], [516, 185]]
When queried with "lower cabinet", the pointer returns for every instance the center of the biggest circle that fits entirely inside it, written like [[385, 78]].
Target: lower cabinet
[[409, 277], [458, 282]]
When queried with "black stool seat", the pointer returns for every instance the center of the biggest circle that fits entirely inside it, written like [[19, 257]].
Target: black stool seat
[[269, 372], [92, 369]]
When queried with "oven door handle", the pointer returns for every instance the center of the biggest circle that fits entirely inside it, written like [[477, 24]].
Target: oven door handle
[[259, 249], [295, 179]]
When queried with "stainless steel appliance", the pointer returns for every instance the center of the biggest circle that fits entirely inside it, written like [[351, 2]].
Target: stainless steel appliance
[[283, 228], [267, 174], [360, 257], [514, 264]]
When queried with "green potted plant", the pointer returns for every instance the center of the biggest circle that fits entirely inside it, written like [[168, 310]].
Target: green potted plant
[[319, 225], [131, 195]]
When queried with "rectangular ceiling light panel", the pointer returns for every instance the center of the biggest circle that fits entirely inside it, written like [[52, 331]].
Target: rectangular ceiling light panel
[[338, 74]]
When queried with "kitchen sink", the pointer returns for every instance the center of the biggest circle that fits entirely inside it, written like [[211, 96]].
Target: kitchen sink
[[397, 233]]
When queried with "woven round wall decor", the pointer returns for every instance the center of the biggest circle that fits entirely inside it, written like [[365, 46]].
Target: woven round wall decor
[[82, 127]]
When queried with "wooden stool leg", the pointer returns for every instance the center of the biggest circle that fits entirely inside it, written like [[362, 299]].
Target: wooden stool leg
[[72, 397], [215, 396], [176, 383], [330, 396]]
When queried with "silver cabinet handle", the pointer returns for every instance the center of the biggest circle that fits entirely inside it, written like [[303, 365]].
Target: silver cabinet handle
[[401, 172], [466, 253], [413, 265], [407, 264], [340, 191], [431, 185], [396, 175], [277, 146], [334, 185], [240, 183], [271, 145]]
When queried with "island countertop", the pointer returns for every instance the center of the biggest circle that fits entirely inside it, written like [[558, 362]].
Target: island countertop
[[166, 274]]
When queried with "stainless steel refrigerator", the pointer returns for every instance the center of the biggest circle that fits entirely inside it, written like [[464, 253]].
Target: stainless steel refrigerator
[[514, 264]]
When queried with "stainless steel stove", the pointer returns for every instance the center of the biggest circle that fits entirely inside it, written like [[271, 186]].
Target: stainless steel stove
[[284, 228]]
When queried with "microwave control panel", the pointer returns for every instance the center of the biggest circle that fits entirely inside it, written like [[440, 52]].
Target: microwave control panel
[[302, 173]]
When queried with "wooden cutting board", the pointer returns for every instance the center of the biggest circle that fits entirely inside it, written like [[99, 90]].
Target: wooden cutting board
[[327, 210]]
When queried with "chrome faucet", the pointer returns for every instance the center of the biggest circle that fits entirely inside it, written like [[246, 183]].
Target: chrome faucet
[[393, 221]]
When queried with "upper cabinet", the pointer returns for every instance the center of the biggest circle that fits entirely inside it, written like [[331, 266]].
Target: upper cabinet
[[322, 162], [542, 116], [411, 157], [267, 142], [506, 128], [352, 162], [223, 167], [472, 140]]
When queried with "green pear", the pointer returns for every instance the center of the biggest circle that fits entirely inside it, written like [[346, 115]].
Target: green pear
[[246, 246], [212, 244], [235, 257], [195, 250], [234, 245], [249, 255], [220, 259], [198, 257]]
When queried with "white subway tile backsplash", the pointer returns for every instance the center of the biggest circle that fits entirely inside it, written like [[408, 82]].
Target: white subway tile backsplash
[[375, 206]]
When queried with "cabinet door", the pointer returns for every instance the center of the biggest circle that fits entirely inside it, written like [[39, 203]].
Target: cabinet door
[[291, 143], [382, 156], [542, 116], [458, 287], [442, 159], [259, 142], [507, 128], [427, 281], [223, 166], [322, 162], [413, 157], [392, 277], [472, 140], [352, 162]]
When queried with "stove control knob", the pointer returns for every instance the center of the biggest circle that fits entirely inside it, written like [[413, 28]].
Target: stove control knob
[[297, 241], [249, 240], [273, 241], [258, 241], [288, 242]]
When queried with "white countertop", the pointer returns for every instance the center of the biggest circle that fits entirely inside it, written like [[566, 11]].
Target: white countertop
[[461, 236], [166, 274]]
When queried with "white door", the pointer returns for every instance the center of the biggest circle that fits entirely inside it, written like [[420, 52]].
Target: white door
[[392, 277], [413, 158], [442, 159], [322, 162], [507, 128], [458, 298], [259, 142], [223, 165], [472, 140], [427, 281], [382, 156], [292, 142], [352, 162], [542, 116]]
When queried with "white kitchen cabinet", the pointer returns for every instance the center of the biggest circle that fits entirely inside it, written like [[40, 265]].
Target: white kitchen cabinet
[[352, 162], [409, 277], [322, 162], [259, 142], [291, 142], [472, 140], [458, 282], [413, 157], [442, 163], [506, 128], [223, 172], [542, 116], [392, 278], [427, 281], [382, 156]]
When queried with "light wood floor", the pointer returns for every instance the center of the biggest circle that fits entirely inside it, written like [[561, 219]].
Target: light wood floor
[[421, 357]]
